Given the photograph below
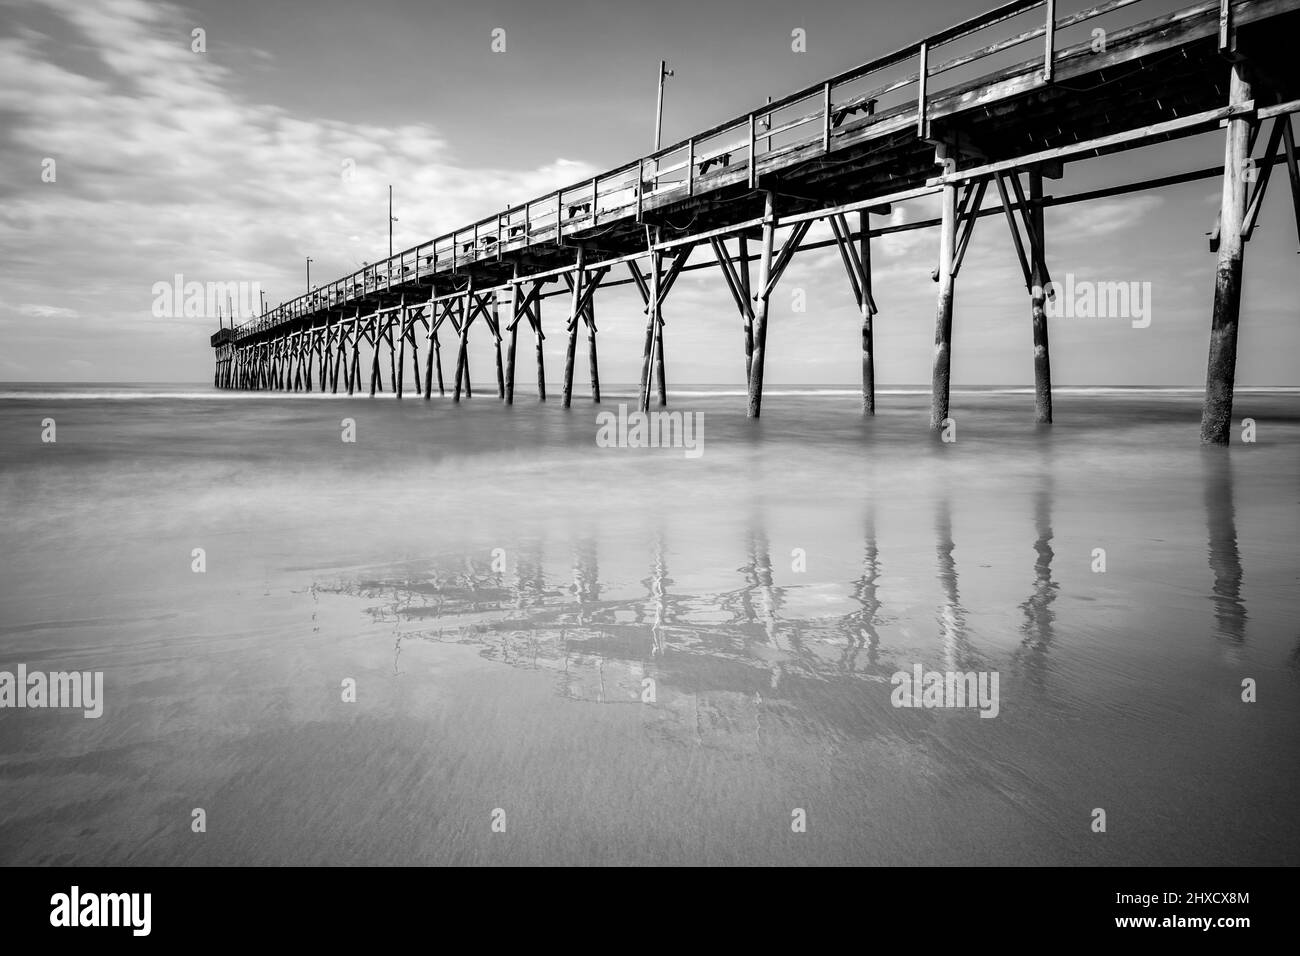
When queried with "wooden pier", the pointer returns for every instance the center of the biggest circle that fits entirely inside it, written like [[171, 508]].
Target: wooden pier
[[1004, 100]]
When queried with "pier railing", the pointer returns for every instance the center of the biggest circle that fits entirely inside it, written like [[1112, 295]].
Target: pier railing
[[796, 127]]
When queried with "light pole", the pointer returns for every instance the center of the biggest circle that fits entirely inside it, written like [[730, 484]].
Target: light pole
[[263, 295], [391, 219], [659, 102], [309, 275]]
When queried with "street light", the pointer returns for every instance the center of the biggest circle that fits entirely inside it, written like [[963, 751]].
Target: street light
[[391, 219], [309, 275], [659, 102]]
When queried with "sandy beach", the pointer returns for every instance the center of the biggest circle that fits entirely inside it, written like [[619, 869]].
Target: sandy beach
[[503, 592]]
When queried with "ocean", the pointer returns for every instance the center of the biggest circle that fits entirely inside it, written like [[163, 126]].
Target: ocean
[[473, 635]]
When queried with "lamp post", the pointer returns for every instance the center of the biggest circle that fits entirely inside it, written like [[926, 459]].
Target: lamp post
[[659, 102], [391, 219], [309, 275]]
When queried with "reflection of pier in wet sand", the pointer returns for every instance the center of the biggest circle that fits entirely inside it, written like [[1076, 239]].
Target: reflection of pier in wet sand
[[742, 644]]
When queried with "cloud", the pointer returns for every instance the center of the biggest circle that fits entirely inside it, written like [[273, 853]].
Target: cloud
[[163, 166], [46, 311]]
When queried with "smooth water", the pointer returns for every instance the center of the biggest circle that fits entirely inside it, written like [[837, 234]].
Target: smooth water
[[506, 595]]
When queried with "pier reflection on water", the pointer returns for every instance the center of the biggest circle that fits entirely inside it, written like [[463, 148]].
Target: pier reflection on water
[[551, 609]]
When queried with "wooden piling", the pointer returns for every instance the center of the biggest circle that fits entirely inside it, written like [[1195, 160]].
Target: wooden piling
[[868, 317], [437, 363], [431, 315], [653, 327], [1038, 303], [541, 360], [496, 343], [514, 337], [943, 310], [659, 354], [575, 316], [651, 295], [401, 350], [743, 270], [374, 364], [1221, 371], [462, 351], [760, 307], [591, 350]]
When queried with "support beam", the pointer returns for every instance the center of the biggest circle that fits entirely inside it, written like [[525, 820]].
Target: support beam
[[401, 350], [1221, 371], [1038, 302], [653, 326], [428, 366], [376, 340], [743, 277], [576, 283], [943, 310], [760, 311], [535, 317], [590, 317], [650, 295], [737, 280], [509, 395], [437, 362], [462, 353], [494, 324], [867, 309]]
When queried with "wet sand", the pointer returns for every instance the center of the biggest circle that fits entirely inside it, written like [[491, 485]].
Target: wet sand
[[768, 589]]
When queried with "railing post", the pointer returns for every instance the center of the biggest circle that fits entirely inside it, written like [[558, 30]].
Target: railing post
[[753, 162], [1226, 39], [640, 189], [1049, 54], [826, 117], [920, 94]]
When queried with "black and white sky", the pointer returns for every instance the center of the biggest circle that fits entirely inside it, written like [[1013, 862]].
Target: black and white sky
[[224, 165]]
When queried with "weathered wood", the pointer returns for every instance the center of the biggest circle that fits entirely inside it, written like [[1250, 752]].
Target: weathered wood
[[1221, 371], [376, 341], [415, 357], [943, 311], [868, 309], [649, 294], [462, 351], [535, 317], [513, 328], [399, 376], [590, 317], [1038, 303], [495, 327], [760, 311], [575, 310], [1293, 170]]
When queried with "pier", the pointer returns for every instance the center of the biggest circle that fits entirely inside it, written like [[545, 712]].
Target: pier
[[988, 108]]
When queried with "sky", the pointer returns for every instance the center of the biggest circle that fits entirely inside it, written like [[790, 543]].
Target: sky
[[128, 157]]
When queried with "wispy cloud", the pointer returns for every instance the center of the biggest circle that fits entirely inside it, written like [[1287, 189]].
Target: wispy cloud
[[159, 165]]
